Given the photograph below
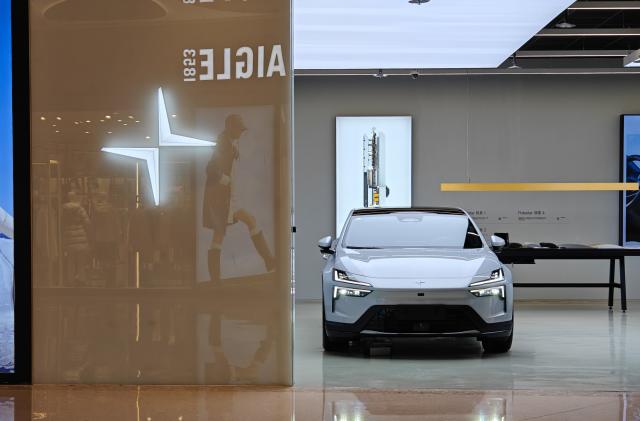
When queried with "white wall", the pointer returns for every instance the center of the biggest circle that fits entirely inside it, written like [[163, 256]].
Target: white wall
[[491, 128]]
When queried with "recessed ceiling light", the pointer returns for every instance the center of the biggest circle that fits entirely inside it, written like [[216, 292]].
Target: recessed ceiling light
[[108, 117], [380, 74], [42, 118], [564, 23], [514, 63], [58, 118]]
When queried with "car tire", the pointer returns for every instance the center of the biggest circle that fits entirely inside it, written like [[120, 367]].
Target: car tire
[[497, 345], [331, 344]]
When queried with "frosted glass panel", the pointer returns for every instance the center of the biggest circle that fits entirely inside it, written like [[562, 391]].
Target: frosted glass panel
[[160, 149]]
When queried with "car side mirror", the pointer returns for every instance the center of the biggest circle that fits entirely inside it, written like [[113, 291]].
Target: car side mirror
[[497, 242], [325, 246]]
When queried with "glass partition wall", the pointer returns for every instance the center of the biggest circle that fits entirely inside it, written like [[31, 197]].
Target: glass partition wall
[[160, 191]]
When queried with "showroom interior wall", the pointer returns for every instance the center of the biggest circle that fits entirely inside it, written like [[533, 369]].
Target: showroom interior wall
[[161, 212], [499, 128]]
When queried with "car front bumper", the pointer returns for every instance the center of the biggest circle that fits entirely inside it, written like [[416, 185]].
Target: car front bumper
[[419, 321], [419, 312]]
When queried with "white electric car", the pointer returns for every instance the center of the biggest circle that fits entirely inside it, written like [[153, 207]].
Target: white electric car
[[414, 272]]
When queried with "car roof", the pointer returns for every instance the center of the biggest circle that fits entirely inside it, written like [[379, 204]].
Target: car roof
[[438, 210]]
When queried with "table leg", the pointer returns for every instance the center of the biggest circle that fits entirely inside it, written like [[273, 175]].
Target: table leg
[[612, 275], [623, 285]]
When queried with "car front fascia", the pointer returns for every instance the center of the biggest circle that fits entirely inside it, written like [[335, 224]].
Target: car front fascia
[[447, 295]]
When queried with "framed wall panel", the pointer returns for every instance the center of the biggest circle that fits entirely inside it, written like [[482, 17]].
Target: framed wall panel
[[373, 163]]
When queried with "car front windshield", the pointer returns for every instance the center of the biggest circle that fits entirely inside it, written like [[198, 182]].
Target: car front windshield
[[411, 230]]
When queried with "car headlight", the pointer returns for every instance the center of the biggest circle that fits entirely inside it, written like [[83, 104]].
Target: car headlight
[[339, 291], [489, 292], [349, 292], [342, 276], [496, 276]]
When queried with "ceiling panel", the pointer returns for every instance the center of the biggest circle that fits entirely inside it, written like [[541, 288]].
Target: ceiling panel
[[385, 34]]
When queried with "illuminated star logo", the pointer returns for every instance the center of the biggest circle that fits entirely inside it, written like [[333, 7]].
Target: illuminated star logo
[[152, 155]]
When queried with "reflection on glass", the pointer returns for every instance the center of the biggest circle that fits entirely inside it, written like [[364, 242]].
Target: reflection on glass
[[220, 205], [237, 196], [7, 409], [139, 283]]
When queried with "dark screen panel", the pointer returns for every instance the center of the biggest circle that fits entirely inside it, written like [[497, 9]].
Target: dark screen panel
[[630, 172], [15, 228], [7, 260]]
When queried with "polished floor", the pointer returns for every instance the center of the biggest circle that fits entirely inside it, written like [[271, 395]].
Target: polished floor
[[146, 403], [570, 361], [578, 346]]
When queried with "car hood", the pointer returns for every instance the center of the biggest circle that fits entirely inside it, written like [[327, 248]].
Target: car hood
[[434, 264]]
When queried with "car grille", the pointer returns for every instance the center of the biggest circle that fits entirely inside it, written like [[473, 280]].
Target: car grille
[[422, 319]]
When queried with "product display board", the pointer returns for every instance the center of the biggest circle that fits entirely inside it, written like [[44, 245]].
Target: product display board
[[630, 172], [7, 278], [373, 164], [161, 191]]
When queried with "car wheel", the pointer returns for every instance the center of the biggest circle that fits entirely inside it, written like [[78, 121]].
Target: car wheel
[[332, 344], [497, 345]]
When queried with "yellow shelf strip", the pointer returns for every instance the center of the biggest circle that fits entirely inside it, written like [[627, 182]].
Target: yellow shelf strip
[[468, 187]]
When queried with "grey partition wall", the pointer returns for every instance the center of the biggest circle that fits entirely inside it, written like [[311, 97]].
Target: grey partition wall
[[496, 128]]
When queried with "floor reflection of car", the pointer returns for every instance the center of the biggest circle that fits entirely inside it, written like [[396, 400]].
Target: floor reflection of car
[[414, 272], [371, 404]]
